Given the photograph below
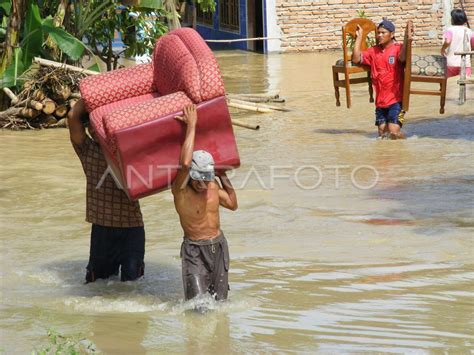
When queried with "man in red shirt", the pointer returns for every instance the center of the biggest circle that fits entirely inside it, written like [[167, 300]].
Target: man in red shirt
[[386, 61]]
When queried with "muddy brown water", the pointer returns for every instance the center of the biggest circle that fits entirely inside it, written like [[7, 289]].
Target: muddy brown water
[[341, 244]]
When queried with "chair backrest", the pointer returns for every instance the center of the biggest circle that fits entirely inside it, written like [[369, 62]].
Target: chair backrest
[[407, 75], [182, 61], [349, 35]]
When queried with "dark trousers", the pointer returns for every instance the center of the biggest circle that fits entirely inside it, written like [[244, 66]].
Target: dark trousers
[[113, 248], [205, 267]]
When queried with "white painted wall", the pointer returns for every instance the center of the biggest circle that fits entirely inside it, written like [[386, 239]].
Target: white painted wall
[[272, 29]]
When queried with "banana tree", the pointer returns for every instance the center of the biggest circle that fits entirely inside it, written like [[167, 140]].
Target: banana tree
[[15, 11], [35, 32]]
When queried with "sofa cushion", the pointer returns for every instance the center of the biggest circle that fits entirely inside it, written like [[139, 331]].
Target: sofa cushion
[[96, 117], [133, 115], [428, 65], [182, 61], [209, 73]]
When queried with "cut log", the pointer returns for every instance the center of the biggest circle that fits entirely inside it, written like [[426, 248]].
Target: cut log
[[245, 125], [38, 95], [72, 102], [61, 111], [50, 120], [12, 111], [35, 104], [28, 112], [11, 95], [61, 123], [49, 106], [61, 92]]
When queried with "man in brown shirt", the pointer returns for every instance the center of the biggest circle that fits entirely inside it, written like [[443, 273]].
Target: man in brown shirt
[[197, 197], [117, 235]]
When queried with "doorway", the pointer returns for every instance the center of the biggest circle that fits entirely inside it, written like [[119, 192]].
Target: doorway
[[255, 25]]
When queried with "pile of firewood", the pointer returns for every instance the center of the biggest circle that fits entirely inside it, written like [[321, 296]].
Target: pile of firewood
[[45, 100]]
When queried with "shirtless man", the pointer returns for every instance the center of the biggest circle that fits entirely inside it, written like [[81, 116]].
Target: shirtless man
[[197, 197]]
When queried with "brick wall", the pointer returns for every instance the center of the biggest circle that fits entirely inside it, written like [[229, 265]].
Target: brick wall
[[316, 25]]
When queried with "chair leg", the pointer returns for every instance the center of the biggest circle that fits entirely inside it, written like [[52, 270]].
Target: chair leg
[[335, 79], [371, 88], [348, 89], [443, 96]]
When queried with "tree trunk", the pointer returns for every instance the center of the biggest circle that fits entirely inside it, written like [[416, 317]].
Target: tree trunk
[[12, 37], [173, 20]]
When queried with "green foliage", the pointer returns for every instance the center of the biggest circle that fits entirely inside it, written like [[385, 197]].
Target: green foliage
[[6, 6], [140, 27], [151, 4], [361, 14], [369, 41], [207, 5], [35, 32], [61, 344], [14, 70]]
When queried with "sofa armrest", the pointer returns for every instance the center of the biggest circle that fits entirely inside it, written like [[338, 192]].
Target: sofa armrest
[[116, 85], [144, 112]]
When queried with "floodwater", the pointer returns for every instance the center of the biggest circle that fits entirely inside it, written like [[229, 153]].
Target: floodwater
[[341, 244]]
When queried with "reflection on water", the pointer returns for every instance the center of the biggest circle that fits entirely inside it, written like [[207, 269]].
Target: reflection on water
[[331, 269]]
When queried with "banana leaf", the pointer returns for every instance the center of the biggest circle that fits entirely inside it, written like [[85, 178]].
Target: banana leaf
[[66, 42], [32, 34], [14, 70], [6, 5]]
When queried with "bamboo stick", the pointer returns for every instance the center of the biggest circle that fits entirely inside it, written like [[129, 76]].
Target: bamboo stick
[[50, 63], [248, 107], [255, 99], [11, 95], [273, 95], [245, 125], [256, 105]]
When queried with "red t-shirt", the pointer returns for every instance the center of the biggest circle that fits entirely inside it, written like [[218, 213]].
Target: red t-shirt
[[387, 73]]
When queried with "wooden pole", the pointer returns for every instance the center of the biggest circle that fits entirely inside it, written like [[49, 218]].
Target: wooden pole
[[245, 125], [51, 63], [248, 107], [256, 105]]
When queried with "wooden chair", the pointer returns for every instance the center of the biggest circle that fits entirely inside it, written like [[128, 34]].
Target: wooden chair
[[424, 69], [345, 65], [463, 80]]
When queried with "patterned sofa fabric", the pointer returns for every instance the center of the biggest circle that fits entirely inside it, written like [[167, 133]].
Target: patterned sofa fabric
[[429, 65], [184, 62], [113, 86], [133, 115]]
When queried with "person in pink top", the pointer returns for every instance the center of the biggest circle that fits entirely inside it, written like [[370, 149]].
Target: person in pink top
[[386, 61], [454, 38]]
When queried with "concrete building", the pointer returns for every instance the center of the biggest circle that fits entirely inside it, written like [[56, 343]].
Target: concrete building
[[312, 25]]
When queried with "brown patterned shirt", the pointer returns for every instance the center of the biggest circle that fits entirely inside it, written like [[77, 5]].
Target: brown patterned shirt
[[107, 205]]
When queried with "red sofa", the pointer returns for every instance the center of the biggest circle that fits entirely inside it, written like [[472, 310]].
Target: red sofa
[[132, 111]]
